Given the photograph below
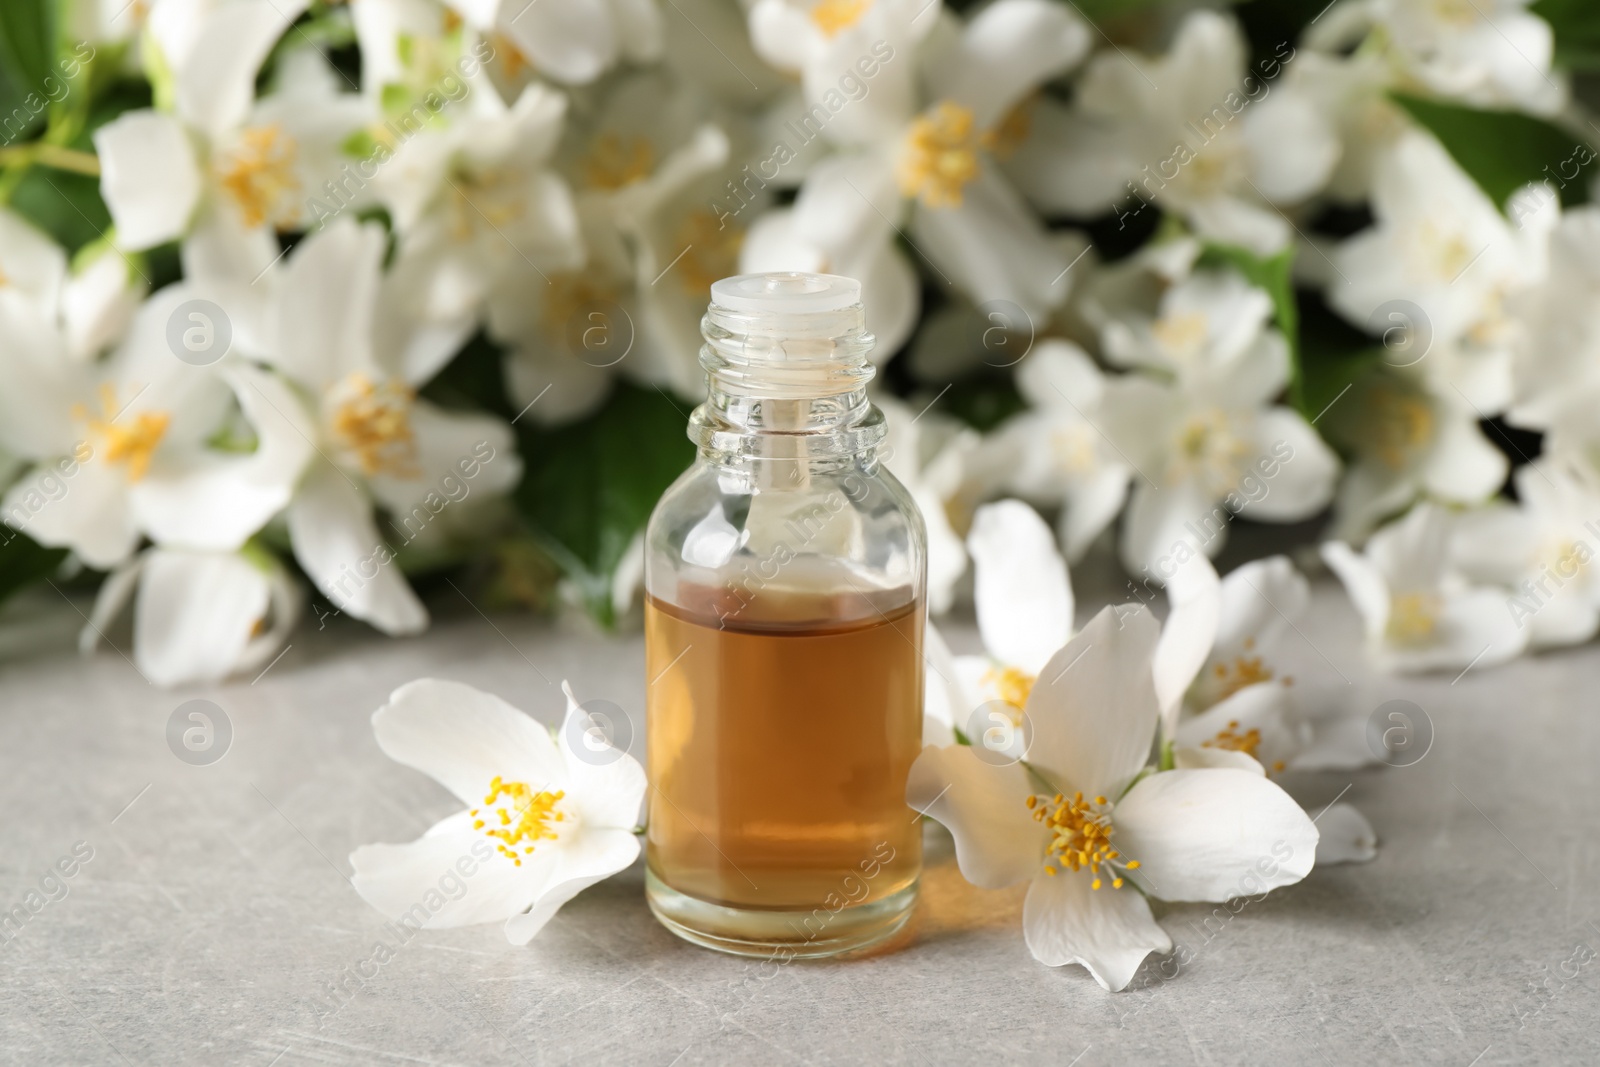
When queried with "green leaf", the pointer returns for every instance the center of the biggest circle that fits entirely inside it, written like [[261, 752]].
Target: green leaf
[[1505, 150], [1577, 30], [27, 43], [24, 561], [589, 487], [1333, 356], [65, 205], [1274, 274]]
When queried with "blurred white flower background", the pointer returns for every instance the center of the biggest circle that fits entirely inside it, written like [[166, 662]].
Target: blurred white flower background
[[345, 308]]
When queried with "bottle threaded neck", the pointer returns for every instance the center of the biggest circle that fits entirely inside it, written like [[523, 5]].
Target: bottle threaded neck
[[786, 354]]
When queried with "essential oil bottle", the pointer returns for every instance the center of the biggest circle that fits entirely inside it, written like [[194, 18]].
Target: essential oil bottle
[[785, 575]]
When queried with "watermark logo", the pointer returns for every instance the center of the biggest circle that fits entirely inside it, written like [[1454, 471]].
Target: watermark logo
[[1406, 330], [600, 334], [600, 734], [1399, 733], [199, 732], [1000, 733], [1006, 334], [199, 332]]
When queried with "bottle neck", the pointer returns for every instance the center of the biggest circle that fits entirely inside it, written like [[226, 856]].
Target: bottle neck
[[786, 387]]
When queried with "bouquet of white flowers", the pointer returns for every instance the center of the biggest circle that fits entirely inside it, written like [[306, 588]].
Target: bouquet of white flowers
[[394, 297]]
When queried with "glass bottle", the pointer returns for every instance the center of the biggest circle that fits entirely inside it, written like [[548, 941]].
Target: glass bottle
[[785, 578]]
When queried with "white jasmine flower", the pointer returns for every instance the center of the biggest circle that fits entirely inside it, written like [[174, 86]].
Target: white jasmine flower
[[1419, 614], [1023, 596], [1491, 53], [199, 616], [929, 165], [1226, 703], [572, 41], [1407, 440], [1352, 93], [377, 442], [1057, 453], [474, 200], [544, 821], [130, 447], [1441, 253], [1078, 821], [640, 166], [1558, 350], [1209, 442], [1193, 130], [1243, 700], [223, 171], [1541, 548]]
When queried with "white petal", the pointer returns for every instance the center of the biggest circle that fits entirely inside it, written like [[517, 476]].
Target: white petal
[[462, 737], [1306, 468], [1158, 530], [33, 264], [195, 614], [216, 82], [1347, 836], [113, 595], [1109, 931], [1464, 466], [450, 443], [89, 513], [1260, 600], [1201, 759], [560, 387], [1213, 835], [1362, 582], [1293, 149], [424, 883], [985, 808], [216, 501], [323, 315], [993, 248], [571, 40], [592, 855], [1092, 505], [945, 703], [337, 542], [98, 302], [1021, 588], [1007, 50], [1265, 707], [1094, 707], [149, 177], [1187, 637], [607, 783]]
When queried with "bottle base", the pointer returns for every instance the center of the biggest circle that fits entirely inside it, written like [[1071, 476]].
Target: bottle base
[[778, 933]]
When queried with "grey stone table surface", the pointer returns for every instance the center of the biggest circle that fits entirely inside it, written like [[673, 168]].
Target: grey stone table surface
[[209, 913]]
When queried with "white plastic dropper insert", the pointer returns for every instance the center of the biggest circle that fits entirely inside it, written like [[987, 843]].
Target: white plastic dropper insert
[[785, 292]]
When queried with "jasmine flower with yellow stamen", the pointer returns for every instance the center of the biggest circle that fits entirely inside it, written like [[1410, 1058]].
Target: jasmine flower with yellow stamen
[[1093, 831], [543, 821]]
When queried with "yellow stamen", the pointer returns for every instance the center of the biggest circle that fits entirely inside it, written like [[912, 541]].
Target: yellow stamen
[[1080, 837], [1007, 135], [126, 439], [526, 817], [1181, 334], [1413, 617], [1230, 739], [613, 163], [832, 16], [940, 155], [373, 422], [711, 251], [258, 173], [1243, 672], [1011, 685]]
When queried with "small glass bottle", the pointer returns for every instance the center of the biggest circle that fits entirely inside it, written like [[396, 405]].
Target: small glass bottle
[[785, 577]]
